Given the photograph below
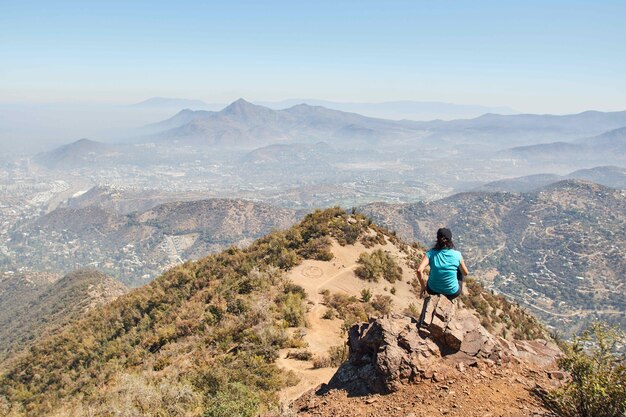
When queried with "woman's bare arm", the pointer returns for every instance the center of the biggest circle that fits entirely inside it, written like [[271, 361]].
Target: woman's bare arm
[[464, 269], [420, 274]]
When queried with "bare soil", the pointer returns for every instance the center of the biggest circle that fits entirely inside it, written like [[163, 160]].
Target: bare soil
[[477, 391]]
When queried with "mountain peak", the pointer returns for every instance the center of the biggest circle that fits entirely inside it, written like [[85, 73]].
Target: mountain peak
[[245, 111], [240, 106], [85, 141]]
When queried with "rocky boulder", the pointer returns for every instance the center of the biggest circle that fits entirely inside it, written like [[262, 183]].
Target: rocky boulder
[[457, 330], [391, 350]]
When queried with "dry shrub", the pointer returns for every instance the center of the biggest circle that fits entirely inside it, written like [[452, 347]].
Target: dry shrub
[[300, 355], [336, 356]]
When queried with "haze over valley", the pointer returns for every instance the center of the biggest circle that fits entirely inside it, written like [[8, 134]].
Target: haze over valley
[[201, 181], [225, 209]]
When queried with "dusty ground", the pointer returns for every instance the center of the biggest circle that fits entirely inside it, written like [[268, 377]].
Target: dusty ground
[[477, 391], [485, 390], [337, 276]]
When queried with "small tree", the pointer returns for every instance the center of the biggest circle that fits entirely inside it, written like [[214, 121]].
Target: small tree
[[366, 295], [596, 362]]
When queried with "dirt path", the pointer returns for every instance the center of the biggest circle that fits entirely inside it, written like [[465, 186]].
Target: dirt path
[[338, 274]]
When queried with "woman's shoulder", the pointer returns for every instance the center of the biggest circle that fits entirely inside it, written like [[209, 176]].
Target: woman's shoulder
[[456, 253]]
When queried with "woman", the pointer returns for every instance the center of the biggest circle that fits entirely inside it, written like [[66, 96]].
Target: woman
[[447, 268]]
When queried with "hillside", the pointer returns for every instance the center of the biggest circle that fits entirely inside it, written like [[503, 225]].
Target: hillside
[[233, 331], [125, 200], [558, 250], [38, 309], [609, 176], [18, 290], [137, 246], [606, 148], [79, 153]]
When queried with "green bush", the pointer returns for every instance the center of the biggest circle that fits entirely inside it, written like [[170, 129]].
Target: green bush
[[329, 314], [318, 249], [235, 400], [294, 311], [366, 295], [376, 265], [598, 375]]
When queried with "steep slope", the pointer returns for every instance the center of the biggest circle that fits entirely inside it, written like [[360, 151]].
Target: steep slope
[[18, 290], [558, 250], [137, 246], [204, 338], [27, 318]]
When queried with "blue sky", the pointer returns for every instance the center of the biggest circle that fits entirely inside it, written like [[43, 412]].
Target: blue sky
[[534, 56]]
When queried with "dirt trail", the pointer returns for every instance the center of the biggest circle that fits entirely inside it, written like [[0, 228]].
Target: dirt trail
[[337, 276]]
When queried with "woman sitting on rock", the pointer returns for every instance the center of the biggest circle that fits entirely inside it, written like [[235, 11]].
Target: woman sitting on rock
[[447, 268]]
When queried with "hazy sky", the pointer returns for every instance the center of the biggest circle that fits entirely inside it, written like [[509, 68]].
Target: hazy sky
[[534, 56]]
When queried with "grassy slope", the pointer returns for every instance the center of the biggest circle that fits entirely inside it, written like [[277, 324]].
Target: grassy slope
[[199, 332], [201, 338]]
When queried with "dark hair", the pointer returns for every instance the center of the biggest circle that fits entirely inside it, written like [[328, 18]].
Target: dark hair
[[444, 239]]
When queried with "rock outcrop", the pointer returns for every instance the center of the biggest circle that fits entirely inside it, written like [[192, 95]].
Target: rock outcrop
[[389, 351]]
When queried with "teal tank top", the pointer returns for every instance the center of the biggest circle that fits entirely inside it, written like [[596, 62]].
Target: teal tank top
[[444, 264]]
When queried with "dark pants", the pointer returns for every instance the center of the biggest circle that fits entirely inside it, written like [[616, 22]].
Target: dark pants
[[459, 277]]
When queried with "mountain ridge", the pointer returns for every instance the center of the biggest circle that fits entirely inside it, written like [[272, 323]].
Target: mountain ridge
[[204, 328], [138, 245], [609, 176]]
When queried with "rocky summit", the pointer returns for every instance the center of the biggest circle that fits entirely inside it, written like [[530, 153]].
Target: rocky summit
[[387, 352]]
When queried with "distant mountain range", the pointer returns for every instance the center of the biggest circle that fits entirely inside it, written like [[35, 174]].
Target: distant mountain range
[[243, 125], [609, 176], [393, 110], [558, 249], [608, 147], [398, 110], [496, 131]]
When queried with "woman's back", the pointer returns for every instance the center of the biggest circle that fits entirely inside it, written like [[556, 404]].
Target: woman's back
[[444, 264]]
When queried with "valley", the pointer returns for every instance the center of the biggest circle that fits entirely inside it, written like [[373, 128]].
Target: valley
[[202, 181]]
